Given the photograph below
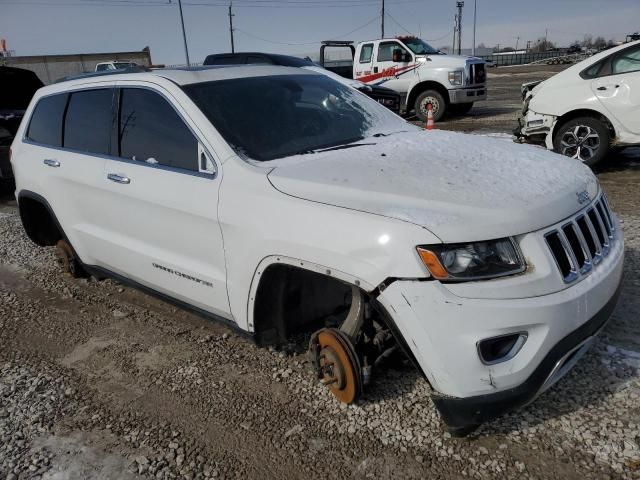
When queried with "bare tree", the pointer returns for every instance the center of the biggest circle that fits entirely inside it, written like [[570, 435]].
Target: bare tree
[[542, 45]]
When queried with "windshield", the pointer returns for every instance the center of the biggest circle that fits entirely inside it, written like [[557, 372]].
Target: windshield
[[272, 117], [418, 46]]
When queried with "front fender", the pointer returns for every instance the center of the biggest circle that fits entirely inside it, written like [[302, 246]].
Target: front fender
[[261, 226]]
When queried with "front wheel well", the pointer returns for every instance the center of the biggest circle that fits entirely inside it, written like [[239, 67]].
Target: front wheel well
[[424, 86], [291, 302], [584, 112], [38, 220]]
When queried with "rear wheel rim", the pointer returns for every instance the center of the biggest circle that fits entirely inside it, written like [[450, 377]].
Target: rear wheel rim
[[581, 142]]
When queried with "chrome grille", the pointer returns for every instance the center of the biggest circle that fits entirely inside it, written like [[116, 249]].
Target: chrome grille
[[582, 242]]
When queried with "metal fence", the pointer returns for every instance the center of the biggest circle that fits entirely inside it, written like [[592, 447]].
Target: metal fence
[[520, 58]]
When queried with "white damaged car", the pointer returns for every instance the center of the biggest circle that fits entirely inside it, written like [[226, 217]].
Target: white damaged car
[[586, 110], [291, 206]]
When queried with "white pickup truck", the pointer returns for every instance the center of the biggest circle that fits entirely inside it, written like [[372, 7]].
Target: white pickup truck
[[421, 74]]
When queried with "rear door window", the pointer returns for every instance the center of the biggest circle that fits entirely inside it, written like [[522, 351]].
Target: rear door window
[[88, 121], [45, 126], [151, 131], [365, 53]]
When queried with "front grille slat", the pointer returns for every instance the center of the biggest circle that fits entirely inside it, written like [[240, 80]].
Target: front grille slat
[[581, 243]]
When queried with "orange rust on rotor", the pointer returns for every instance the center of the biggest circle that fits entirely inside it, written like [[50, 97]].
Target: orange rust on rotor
[[64, 254], [346, 386]]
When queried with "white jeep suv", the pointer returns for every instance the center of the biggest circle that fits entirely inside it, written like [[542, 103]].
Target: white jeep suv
[[290, 206], [587, 109]]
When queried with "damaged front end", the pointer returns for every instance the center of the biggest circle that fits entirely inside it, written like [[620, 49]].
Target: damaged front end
[[345, 357], [533, 127]]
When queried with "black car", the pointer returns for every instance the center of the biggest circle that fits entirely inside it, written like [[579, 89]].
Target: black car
[[574, 49], [385, 96], [18, 87]]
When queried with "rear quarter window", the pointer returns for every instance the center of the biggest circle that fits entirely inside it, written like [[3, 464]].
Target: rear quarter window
[[45, 126]]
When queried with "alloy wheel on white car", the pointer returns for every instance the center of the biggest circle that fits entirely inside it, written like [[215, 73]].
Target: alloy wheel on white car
[[580, 142]]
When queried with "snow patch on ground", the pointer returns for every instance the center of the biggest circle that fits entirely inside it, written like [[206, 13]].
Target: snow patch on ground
[[629, 357]]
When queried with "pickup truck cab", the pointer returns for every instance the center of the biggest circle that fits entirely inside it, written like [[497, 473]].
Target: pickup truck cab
[[290, 206], [588, 109], [421, 75]]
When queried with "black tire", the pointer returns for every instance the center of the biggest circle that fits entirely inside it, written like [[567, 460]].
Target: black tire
[[460, 108], [584, 138], [437, 101]]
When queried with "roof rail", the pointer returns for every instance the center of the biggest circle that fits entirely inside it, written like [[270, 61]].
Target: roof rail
[[118, 71]]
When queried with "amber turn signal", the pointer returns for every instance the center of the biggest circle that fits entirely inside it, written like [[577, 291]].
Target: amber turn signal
[[432, 262]]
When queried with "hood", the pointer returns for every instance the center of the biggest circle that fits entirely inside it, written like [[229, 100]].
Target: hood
[[450, 61], [460, 187]]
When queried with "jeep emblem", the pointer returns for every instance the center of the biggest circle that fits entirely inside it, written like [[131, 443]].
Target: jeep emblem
[[583, 197]]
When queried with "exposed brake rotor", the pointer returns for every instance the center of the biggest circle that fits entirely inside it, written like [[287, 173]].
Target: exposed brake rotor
[[337, 364], [64, 254]]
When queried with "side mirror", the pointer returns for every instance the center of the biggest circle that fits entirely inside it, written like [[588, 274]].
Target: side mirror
[[205, 164], [407, 57], [397, 55]]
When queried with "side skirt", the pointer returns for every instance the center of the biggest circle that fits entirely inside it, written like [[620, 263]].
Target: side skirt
[[100, 272]]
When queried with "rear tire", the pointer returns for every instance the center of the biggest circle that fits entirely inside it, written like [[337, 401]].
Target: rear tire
[[436, 100], [584, 138], [460, 108]]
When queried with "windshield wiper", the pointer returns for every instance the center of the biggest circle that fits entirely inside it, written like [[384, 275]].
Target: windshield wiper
[[342, 147], [328, 149], [387, 134]]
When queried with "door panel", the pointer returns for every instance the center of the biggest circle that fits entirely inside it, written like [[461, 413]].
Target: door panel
[[159, 224], [619, 89], [398, 76]]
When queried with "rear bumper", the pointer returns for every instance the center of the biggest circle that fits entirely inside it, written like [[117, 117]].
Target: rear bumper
[[459, 413], [468, 95]]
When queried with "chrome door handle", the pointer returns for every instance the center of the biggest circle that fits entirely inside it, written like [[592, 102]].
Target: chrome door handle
[[51, 162], [114, 177], [602, 89]]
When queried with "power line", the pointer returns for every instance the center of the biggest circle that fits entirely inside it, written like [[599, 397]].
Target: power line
[[398, 23], [307, 43]]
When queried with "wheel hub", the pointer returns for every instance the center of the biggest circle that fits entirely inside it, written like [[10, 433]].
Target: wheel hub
[[424, 106], [337, 364]]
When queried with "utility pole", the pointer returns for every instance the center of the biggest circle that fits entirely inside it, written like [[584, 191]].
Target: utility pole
[[233, 48], [517, 41], [455, 30], [475, 17], [184, 35], [459, 5], [546, 38], [382, 18], [528, 45]]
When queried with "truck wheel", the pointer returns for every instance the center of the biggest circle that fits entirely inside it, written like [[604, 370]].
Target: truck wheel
[[585, 138], [460, 108], [69, 262], [437, 101]]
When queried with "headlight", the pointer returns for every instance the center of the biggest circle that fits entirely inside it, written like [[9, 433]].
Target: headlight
[[455, 77], [472, 261]]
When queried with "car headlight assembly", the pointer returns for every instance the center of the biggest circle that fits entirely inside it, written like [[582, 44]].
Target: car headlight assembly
[[472, 261], [455, 77]]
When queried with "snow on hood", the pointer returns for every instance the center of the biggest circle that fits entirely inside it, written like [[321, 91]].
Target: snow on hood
[[460, 187]]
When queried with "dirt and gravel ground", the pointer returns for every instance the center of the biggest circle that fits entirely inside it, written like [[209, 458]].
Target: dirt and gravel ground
[[100, 381]]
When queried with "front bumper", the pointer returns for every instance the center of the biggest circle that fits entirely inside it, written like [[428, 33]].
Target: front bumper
[[460, 413], [536, 128], [442, 331], [468, 95]]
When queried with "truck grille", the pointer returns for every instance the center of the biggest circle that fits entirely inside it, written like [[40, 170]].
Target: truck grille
[[477, 72], [582, 242]]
